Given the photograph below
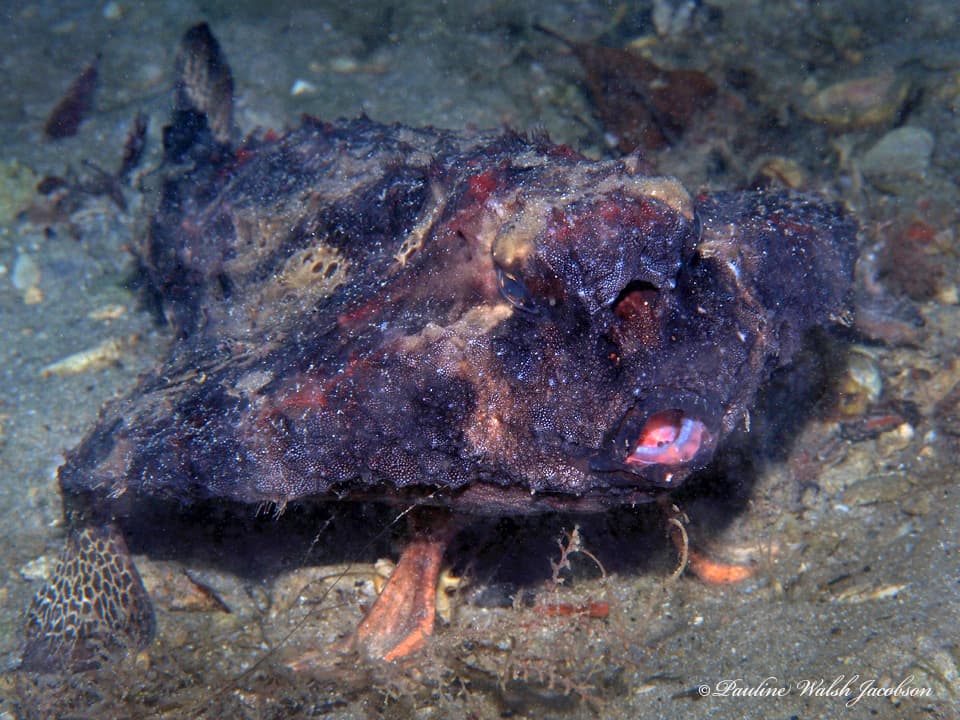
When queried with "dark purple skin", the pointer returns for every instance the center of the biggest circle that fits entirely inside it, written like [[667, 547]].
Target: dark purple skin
[[495, 367]]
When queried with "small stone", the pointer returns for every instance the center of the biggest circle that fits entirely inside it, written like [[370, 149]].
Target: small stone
[[26, 273], [40, 568], [900, 158], [896, 440], [860, 387], [112, 11], [33, 295], [344, 64], [302, 87], [672, 19], [858, 103], [949, 295], [780, 171]]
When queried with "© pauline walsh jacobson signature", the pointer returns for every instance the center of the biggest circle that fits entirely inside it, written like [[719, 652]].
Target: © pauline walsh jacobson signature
[[853, 688]]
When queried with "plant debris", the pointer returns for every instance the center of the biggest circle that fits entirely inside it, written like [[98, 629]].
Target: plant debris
[[64, 120], [639, 103]]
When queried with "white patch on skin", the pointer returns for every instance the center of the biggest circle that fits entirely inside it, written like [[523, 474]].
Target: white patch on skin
[[416, 237]]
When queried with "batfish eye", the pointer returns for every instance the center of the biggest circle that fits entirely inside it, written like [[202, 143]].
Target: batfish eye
[[514, 291], [640, 313]]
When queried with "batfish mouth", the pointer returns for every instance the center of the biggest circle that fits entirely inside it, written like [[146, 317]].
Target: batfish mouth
[[669, 438]]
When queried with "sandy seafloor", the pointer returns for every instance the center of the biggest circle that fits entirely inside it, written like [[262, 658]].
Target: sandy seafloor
[[854, 534]]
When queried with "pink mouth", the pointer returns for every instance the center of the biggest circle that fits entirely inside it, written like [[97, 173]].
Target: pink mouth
[[669, 438]]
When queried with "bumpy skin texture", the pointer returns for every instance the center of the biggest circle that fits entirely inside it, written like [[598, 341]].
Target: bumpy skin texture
[[94, 607], [481, 321]]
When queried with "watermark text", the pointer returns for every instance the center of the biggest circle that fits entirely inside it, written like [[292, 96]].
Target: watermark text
[[850, 688]]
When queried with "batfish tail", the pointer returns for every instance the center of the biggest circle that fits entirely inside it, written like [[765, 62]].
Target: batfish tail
[[93, 609]]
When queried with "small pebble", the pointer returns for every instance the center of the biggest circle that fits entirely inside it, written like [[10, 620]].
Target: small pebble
[[900, 157], [26, 278], [112, 11], [344, 64], [40, 568], [858, 103], [302, 87], [33, 296], [780, 171], [673, 18], [861, 385], [948, 295], [25, 271]]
